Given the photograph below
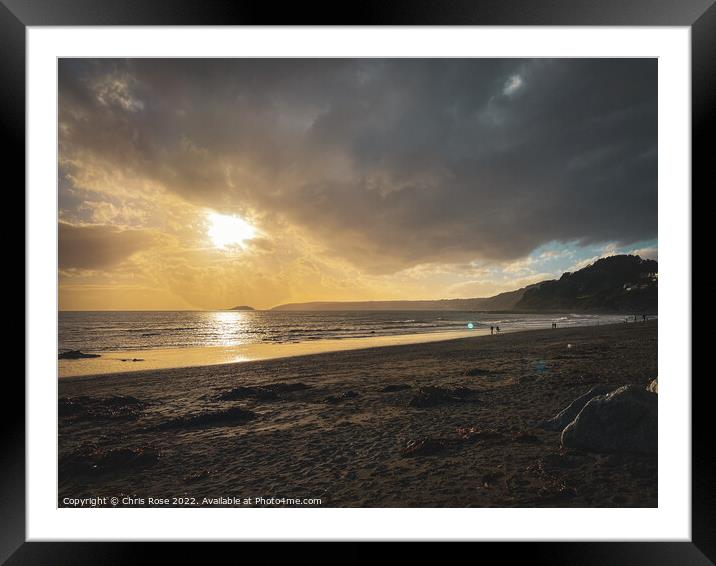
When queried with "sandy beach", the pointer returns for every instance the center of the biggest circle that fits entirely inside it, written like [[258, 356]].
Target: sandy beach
[[442, 424]]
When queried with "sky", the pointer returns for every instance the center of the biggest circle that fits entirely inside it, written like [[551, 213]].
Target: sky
[[209, 183]]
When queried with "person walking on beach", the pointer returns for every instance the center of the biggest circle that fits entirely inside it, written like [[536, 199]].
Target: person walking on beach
[[492, 330], [498, 329]]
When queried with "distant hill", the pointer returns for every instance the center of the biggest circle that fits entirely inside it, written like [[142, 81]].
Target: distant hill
[[621, 283], [242, 308], [503, 301]]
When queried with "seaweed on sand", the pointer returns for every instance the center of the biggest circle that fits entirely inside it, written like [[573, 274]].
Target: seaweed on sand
[[208, 419]]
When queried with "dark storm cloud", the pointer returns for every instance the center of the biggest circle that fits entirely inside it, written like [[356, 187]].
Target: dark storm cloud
[[390, 163], [98, 247]]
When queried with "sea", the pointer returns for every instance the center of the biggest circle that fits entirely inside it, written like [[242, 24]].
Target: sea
[[106, 331]]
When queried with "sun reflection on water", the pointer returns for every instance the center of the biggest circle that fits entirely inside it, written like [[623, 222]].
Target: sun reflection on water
[[230, 328]]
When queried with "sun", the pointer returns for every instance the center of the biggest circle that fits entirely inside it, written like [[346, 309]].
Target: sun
[[227, 230]]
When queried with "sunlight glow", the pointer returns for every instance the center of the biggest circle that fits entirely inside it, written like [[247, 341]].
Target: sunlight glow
[[228, 230]]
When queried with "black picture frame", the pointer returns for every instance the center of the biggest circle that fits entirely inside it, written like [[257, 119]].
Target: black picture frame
[[699, 15]]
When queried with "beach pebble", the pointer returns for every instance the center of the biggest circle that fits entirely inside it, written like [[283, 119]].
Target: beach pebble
[[624, 420]]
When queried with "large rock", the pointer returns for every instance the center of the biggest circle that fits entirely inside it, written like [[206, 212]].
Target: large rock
[[568, 414], [75, 355], [653, 386], [625, 420]]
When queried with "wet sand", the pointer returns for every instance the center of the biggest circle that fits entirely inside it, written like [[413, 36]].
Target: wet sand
[[352, 428], [166, 358]]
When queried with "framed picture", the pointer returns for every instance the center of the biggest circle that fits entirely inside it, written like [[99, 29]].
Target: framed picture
[[294, 278]]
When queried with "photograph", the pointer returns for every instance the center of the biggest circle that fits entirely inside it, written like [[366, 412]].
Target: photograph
[[316, 282]]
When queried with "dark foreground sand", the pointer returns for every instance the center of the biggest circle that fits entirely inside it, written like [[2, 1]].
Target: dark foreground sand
[[349, 436]]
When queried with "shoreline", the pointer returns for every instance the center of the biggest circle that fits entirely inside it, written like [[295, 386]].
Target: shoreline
[[344, 426], [160, 359], [120, 361]]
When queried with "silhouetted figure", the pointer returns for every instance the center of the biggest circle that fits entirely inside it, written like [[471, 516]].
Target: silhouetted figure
[[498, 329], [643, 317], [492, 330]]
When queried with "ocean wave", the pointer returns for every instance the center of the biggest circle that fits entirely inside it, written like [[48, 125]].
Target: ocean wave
[[101, 332]]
